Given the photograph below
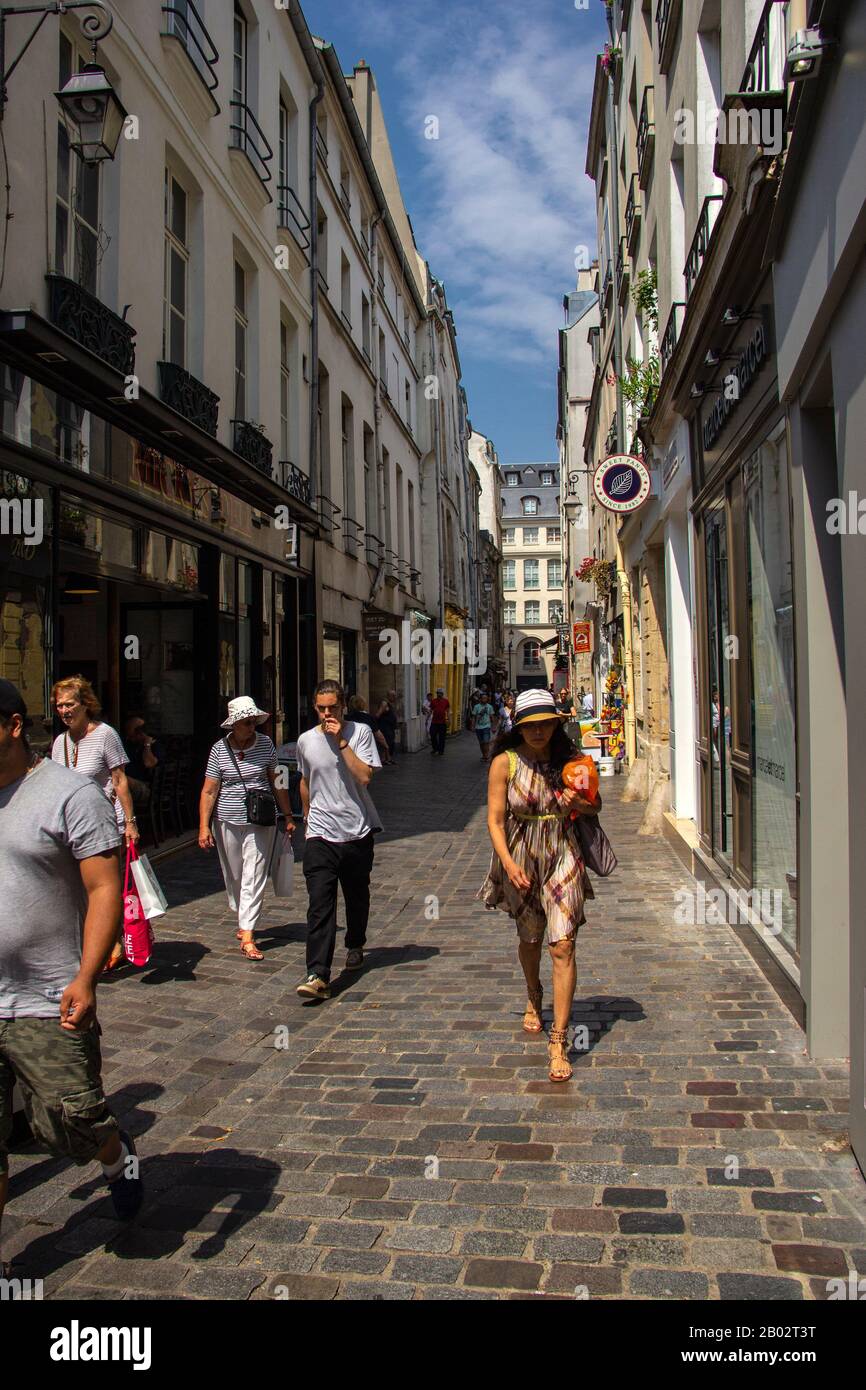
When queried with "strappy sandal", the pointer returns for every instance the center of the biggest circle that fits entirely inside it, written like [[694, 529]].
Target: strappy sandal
[[559, 1038], [535, 998], [251, 950]]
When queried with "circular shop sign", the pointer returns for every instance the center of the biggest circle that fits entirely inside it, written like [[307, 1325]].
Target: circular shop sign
[[622, 483]]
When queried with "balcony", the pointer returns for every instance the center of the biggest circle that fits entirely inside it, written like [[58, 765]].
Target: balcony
[[670, 335], [763, 76], [646, 137], [611, 439], [632, 215], [353, 533], [392, 567], [328, 514], [701, 240], [374, 549], [667, 24], [251, 154], [322, 147], [180, 390], [623, 274], [296, 483], [291, 215], [83, 317], [345, 200], [192, 57], [252, 444], [606, 284]]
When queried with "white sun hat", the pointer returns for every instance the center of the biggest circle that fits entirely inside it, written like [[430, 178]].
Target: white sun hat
[[243, 708], [532, 706]]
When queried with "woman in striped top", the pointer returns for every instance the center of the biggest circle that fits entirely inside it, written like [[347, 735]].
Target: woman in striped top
[[241, 762]]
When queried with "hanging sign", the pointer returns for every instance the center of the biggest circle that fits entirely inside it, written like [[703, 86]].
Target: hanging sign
[[583, 638], [621, 483]]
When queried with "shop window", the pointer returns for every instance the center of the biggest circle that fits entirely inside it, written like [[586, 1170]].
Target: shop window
[[81, 528], [771, 618], [25, 568]]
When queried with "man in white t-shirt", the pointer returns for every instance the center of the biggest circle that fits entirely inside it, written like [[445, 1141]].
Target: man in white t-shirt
[[336, 760]]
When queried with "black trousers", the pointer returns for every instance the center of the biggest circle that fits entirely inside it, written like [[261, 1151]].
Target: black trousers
[[327, 866], [437, 737]]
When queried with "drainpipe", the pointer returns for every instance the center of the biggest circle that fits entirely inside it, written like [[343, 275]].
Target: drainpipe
[[377, 399], [437, 406], [315, 480]]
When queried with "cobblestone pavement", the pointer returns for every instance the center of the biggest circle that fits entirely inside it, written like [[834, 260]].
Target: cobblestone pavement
[[405, 1141]]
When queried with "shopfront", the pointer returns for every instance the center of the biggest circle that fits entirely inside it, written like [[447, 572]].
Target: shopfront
[[747, 743], [158, 586]]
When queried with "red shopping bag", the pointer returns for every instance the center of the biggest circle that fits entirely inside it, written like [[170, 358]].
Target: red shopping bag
[[137, 931]]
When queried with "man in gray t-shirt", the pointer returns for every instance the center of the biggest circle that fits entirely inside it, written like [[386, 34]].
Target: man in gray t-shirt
[[336, 761], [60, 907]]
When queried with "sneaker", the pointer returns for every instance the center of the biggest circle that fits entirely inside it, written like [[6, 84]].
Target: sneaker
[[127, 1192], [355, 959], [314, 988]]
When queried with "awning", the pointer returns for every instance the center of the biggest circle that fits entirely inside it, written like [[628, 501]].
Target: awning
[[34, 346]]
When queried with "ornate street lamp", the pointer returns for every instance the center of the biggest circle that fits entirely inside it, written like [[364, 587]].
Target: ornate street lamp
[[92, 112]]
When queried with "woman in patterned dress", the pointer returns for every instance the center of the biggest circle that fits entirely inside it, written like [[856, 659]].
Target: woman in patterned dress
[[537, 873]]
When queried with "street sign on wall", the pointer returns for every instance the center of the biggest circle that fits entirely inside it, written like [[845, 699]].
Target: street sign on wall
[[621, 483]]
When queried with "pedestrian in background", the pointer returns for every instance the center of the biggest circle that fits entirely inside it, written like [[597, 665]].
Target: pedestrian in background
[[427, 712], [337, 760], [386, 715], [537, 871], [482, 719], [60, 885], [439, 710], [242, 763], [359, 714], [93, 748]]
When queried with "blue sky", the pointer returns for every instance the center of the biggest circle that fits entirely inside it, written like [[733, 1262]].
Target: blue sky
[[500, 201]]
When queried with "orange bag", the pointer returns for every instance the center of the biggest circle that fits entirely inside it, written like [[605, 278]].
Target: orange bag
[[582, 775]]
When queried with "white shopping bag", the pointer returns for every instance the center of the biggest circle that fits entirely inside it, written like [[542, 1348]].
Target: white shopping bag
[[282, 866], [153, 899]]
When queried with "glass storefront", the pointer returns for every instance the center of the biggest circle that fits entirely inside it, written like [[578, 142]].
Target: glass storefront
[[771, 620], [26, 635]]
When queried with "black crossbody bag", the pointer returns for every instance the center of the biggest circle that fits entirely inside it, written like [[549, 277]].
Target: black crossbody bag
[[260, 806]]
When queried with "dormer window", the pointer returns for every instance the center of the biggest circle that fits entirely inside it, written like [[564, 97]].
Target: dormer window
[[530, 506], [547, 480], [513, 479]]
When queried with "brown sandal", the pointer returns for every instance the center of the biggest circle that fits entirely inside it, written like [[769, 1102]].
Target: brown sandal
[[251, 950], [559, 1038], [535, 998]]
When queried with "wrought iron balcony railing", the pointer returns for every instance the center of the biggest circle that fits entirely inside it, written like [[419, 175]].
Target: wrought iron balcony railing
[[79, 314], [701, 239], [291, 214], [184, 23], [253, 445], [606, 283], [247, 135], [646, 136], [328, 514], [667, 19], [345, 199], [375, 549], [353, 533], [670, 335], [764, 67], [180, 390], [632, 214], [623, 274], [611, 438], [322, 146], [296, 483]]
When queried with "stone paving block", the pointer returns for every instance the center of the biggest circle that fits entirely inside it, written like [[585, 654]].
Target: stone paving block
[[437, 1240], [353, 1261], [598, 1280], [426, 1269], [503, 1274], [668, 1283], [494, 1243], [375, 1291], [811, 1259], [752, 1288]]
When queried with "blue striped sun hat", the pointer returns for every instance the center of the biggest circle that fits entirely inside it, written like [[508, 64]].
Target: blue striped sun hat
[[531, 706]]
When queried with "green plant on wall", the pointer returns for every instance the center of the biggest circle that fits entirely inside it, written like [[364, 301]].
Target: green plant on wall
[[645, 294], [640, 383]]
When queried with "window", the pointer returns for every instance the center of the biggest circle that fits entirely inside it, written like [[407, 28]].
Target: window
[[554, 612], [531, 656], [285, 392], [347, 421], [371, 505], [176, 272], [530, 574], [547, 480], [554, 535], [533, 612], [365, 233], [365, 326], [345, 289], [241, 326], [406, 337], [530, 506], [508, 535], [530, 535], [408, 395], [512, 479], [345, 185], [509, 613], [383, 362], [554, 574], [509, 574], [239, 79], [322, 240], [288, 166], [76, 228]]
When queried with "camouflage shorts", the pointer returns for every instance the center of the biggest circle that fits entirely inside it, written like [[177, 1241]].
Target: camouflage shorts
[[59, 1073]]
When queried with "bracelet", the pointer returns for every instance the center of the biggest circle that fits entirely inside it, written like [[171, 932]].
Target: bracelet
[[342, 746]]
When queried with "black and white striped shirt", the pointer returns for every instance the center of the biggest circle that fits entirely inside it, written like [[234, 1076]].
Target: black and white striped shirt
[[260, 756]]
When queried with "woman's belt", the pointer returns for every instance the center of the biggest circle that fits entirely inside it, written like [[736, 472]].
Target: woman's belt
[[549, 815]]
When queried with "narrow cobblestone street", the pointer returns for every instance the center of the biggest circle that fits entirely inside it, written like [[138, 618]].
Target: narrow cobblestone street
[[405, 1142]]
